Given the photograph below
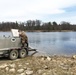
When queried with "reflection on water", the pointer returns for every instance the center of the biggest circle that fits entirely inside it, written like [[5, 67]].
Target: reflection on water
[[61, 43]]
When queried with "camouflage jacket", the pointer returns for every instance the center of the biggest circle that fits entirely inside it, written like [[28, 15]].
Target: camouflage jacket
[[23, 36]]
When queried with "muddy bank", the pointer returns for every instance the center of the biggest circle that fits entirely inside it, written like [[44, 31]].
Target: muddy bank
[[39, 65]]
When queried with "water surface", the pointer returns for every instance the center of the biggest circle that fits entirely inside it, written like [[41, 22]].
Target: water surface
[[59, 43]]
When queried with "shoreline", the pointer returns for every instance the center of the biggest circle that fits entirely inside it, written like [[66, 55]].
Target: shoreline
[[45, 31], [39, 65], [50, 31]]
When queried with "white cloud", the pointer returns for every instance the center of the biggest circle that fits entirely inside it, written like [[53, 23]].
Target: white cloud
[[32, 9]]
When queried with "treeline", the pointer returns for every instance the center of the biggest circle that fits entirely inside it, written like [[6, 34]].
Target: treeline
[[32, 25]]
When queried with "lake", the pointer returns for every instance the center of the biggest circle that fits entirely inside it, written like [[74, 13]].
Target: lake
[[51, 43]]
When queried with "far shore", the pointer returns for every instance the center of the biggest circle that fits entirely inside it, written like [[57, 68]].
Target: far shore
[[45, 31], [49, 31]]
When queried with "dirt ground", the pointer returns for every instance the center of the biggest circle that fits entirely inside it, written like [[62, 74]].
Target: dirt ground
[[38, 65]]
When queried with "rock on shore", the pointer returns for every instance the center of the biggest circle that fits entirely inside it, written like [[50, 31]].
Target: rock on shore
[[39, 65]]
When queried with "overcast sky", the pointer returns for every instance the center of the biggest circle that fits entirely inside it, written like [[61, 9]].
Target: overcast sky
[[44, 10]]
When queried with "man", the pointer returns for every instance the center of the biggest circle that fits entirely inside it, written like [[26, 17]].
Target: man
[[24, 38]]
